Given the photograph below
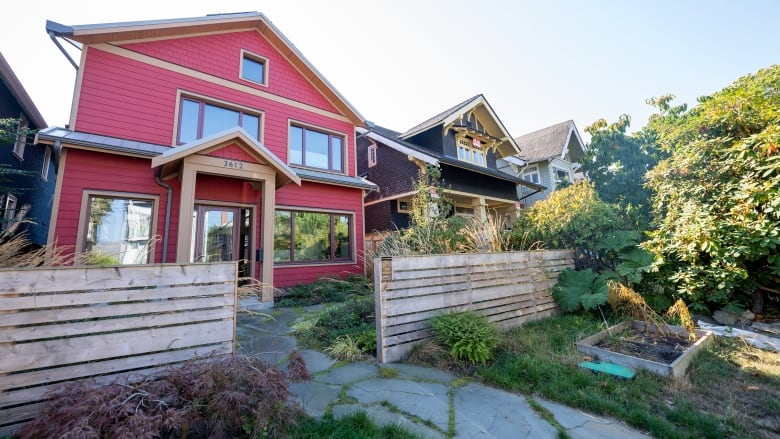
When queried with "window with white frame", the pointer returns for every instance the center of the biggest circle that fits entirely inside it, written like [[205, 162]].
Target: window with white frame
[[254, 68], [372, 156], [470, 150], [561, 175], [9, 211], [531, 174], [46, 163], [21, 138]]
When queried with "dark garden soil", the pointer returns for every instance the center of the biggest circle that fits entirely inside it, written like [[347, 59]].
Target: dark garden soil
[[647, 345]]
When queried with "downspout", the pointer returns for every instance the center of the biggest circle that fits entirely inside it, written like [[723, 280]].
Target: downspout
[[167, 187]]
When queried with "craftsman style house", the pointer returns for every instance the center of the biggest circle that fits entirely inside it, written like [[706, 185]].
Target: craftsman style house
[[549, 157], [464, 142], [27, 171], [207, 139]]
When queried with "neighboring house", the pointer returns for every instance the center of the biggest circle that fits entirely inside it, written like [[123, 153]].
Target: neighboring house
[[549, 156], [216, 135], [464, 142], [27, 195]]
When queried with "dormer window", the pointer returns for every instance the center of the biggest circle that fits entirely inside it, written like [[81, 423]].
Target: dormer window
[[470, 150], [254, 68]]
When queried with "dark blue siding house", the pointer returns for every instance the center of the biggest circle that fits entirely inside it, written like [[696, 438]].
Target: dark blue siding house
[[27, 171]]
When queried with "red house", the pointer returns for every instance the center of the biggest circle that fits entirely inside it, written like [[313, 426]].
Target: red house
[[207, 139]]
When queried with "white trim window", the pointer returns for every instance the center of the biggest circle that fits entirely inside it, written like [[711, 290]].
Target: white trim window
[[21, 138], [46, 163], [531, 174], [372, 156], [560, 175], [470, 151], [9, 211], [254, 68]]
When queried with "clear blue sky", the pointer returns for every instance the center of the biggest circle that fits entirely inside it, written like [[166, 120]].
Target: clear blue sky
[[400, 62]]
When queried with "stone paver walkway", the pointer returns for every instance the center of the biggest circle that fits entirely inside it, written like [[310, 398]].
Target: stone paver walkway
[[428, 402]]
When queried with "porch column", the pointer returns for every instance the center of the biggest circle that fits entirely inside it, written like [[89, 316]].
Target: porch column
[[267, 239], [480, 208], [186, 204]]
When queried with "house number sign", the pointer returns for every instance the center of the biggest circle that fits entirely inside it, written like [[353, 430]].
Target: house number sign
[[232, 164]]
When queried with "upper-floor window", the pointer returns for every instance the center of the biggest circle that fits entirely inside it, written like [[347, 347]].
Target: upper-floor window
[[46, 163], [21, 138], [371, 156], [470, 150], [9, 212], [254, 68], [561, 175], [316, 149], [531, 174], [199, 119]]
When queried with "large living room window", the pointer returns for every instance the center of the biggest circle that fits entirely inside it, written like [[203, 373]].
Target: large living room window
[[119, 230], [200, 119], [301, 236], [316, 149]]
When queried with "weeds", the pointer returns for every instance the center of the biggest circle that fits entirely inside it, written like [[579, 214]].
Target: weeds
[[344, 348]]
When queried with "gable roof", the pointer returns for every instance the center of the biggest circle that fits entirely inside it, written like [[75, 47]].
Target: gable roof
[[391, 139], [179, 27], [454, 113], [8, 77], [549, 142]]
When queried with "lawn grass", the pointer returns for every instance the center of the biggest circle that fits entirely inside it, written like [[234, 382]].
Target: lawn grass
[[710, 402], [354, 426]]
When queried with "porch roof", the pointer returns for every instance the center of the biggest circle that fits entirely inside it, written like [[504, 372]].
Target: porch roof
[[331, 178], [231, 135]]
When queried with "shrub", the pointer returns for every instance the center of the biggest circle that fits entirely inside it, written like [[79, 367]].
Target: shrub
[[344, 348], [229, 396], [327, 289], [348, 318], [468, 335], [571, 217]]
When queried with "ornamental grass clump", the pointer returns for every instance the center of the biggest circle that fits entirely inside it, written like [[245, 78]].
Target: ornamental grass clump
[[468, 335]]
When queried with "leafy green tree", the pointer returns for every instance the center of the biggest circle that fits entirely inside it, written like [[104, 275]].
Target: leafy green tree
[[571, 217], [717, 197], [9, 131], [616, 163]]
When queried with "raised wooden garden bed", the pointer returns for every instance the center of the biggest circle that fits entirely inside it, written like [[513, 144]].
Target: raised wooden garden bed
[[675, 368]]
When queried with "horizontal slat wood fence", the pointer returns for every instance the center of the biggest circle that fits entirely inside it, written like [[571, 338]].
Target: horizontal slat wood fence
[[509, 288], [69, 323]]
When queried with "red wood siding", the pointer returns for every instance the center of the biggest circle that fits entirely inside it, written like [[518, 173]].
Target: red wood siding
[[220, 55], [114, 88], [315, 195], [129, 99], [233, 152], [87, 170]]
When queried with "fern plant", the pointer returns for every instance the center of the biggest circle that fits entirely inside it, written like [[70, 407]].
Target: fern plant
[[468, 335]]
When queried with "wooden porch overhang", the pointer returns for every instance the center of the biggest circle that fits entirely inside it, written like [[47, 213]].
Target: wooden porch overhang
[[171, 159]]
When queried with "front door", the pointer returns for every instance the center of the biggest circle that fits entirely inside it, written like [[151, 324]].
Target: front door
[[221, 233]]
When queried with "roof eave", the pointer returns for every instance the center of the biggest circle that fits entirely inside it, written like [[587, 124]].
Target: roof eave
[[128, 31], [16, 88]]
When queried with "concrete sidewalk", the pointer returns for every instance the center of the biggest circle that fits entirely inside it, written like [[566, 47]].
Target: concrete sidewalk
[[428, 402]]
